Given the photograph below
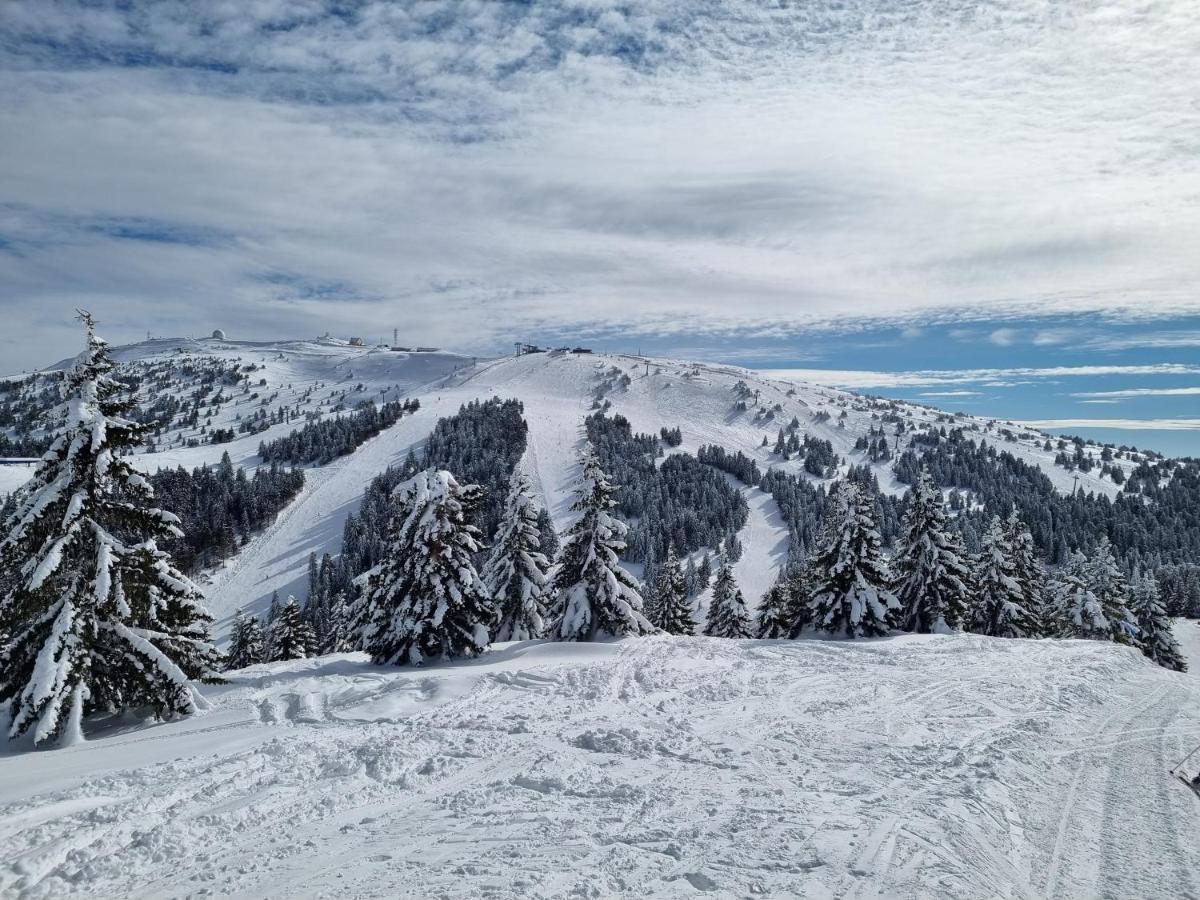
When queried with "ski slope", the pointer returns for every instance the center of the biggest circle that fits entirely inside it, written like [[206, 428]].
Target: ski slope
[[916, 766], [558, 391]]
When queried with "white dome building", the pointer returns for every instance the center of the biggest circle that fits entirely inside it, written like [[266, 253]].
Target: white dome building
[[218, 335]]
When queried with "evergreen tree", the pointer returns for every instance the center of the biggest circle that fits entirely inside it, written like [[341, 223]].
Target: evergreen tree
[[1078, 612], [727, 613], [98, 618], [273, 612], [932, 575], [672, 610], [1107, 582], [339, 634], [649, 585], [1154, 625], [999, 608], [782, 609], [426, 600], [247, 646], [1030, 574], [594, 596], [850, 593], [516, 573], [294, 637], [547, 535], [691, 578], [704, 573]]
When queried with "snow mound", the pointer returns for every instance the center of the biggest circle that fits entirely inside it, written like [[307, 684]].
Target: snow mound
[[916, 766]]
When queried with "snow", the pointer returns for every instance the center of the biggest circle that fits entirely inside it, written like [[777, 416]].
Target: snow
[[916, 766], [557, 391]]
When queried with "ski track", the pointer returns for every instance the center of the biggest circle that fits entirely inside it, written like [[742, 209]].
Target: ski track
[[917, 766]]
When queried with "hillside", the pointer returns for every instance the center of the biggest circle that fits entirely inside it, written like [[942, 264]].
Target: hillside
[[227, 384], [917, 766]]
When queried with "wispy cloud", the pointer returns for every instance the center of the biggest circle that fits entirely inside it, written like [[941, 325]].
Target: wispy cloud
[[950, 394], [475, 170], [1122, 424], [855, 378], [1141, 392]]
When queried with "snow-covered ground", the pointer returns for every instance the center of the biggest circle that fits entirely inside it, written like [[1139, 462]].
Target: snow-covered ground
[[917, 766]]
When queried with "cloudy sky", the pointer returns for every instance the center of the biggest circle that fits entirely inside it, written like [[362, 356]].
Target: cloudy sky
[[933, 188]]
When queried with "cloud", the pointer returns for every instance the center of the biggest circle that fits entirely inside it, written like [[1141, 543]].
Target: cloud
[[950, 394], [1003, 337], [1142, 392], [474, 170], [1122, 424], [857, 378], [1153, 340]]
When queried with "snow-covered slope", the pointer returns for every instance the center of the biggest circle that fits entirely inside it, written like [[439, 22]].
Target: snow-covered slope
[[919, 766], [558, 390]]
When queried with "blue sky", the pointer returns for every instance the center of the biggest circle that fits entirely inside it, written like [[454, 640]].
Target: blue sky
[[853, 185]]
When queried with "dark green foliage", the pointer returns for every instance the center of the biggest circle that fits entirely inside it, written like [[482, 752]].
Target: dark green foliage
[[220, 508], [683, 502], [324, 441]]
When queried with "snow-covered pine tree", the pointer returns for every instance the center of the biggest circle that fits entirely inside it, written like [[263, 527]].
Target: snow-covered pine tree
[[932, 573], [727, 613], [594, 596], [269, 628], [1154, 625], [426, 601], [1078, 612], [98, 617], [672, 611], [783, 611], [1107, 582], [247, 645], [691, 579], [774, 619], [516, 574], [999, 607], [1030, 573], [340, 635], [549, 537], [294, 637], [649, 584], [849, 591]]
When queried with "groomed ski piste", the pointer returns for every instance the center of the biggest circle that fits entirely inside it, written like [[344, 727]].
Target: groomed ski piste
[[911, 766]]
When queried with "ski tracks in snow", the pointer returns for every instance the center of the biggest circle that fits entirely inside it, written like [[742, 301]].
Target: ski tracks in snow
[[910, 767]]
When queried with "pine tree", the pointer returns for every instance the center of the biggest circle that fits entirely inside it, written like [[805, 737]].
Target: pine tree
[[339, 634], [691, 578], [932, 574], [98, 618], [784, 609], [672, 611], [1078, 612], [516, 573], [999, 607], [1154, 625], [649, 584], [1107, 582], [247, 646], [1030, 574], [594, 596], [426, 600], [294, 637], [849, 593], [548, 536], [727, 613]]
